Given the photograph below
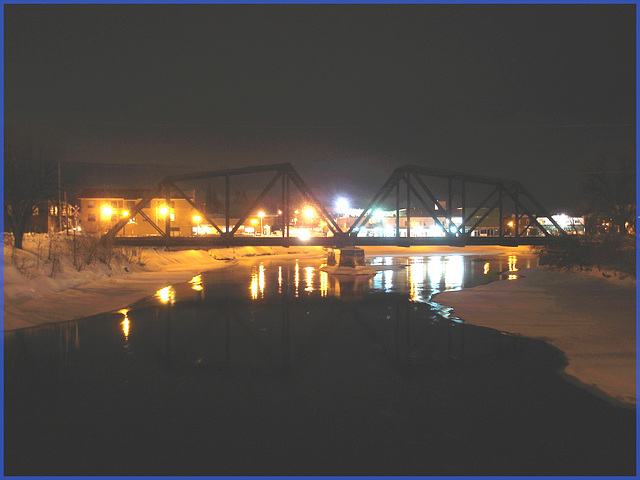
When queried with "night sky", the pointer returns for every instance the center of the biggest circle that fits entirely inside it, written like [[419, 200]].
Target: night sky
[[346, 93]]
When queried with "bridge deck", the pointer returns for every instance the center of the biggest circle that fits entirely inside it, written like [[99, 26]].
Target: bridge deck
[[218, 241]]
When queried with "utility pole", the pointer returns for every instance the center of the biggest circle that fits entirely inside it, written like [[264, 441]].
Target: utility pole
[[66, 213], [59, 199]]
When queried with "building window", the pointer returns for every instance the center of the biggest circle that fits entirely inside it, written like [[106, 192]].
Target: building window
[[91, 217], [91, 204]]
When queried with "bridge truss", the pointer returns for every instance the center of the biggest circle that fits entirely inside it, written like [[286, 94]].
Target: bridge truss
[[456, 203]]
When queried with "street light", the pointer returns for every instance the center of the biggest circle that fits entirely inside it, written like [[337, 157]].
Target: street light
[[342, 205], [197, 218], [309, 213]]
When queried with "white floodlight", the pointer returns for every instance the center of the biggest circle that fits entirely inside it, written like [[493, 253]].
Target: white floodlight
[[342, 205]]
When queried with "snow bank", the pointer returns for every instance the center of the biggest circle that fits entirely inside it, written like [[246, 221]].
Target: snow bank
[[592, 320]]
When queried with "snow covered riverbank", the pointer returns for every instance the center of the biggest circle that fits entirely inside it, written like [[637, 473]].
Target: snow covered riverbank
[[592, 320], [33, 296]]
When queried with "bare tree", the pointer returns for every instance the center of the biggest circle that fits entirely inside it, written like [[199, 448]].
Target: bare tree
[[30, 175], [612, 193]]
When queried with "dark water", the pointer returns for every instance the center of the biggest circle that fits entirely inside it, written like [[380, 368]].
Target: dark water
[[277, 368]]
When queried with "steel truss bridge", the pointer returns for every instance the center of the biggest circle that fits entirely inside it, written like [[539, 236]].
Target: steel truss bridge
[[409, 188]]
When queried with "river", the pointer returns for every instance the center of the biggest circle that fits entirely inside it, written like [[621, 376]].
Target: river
[[275, 367]]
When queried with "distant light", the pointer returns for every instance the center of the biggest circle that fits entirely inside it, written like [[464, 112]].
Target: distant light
[[164, 210], [304, 235], [106, 211], [254, 221], [342, 205], [378, 215], [309, 213], [510, 223], [261, 214], [279, 212], [125, 213], [197, 218]]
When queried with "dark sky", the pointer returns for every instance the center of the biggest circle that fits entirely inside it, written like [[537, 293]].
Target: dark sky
[[531, 92]]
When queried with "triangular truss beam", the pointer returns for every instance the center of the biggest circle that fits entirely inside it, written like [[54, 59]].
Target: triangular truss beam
[[414, 180], [169, 187]]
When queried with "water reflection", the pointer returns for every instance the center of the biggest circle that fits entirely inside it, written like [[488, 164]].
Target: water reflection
[[416, 271], [308, 277], [257, 282], [420, 277], [513, 260], [324, 283], [454, 272], [167, 295], [434, 270], [417, 276], [196, 283], [277, 337], [126, 324]]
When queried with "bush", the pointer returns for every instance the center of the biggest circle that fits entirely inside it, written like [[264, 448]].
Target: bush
[[616, 253]]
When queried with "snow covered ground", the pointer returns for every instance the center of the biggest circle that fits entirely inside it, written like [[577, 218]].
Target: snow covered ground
[[590, 318]]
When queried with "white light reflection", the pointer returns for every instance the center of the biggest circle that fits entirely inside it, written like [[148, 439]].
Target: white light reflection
[[296, 277], [377, 261], [486, 268], [279, 279], [434, 269], [453, 272], [387, 280]]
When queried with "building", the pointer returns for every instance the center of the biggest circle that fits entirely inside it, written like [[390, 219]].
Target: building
[[100, 209]]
